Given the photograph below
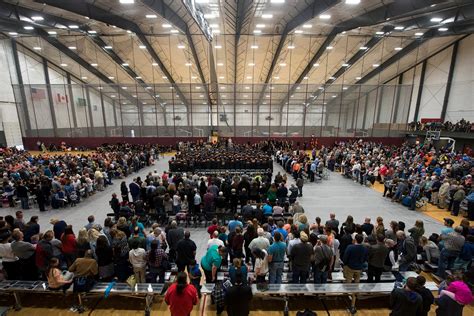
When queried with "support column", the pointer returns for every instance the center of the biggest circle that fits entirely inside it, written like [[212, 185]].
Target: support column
[[103, 114], [91, 125], [50, 96], [420, 91], [71, 96], [450, 80], [23, 103], [397, 99]]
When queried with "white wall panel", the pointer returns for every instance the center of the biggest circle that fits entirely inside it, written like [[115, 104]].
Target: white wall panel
[[461, 97], [434, 86]]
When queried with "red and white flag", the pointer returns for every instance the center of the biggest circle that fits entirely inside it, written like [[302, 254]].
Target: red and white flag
[[61, 98]]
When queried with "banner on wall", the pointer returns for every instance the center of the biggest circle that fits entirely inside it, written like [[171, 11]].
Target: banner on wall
[[61, 98], [38, 94], [81, 102]]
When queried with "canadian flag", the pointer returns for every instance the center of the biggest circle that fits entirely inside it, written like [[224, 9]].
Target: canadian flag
[[61, 98]]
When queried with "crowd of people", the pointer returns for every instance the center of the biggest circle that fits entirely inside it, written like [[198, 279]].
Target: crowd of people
[[223, 156], [461, 126], [58, 180]]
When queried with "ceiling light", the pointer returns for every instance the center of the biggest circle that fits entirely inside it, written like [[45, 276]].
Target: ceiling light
[[246, 96], [92, 32], [201, 96], [267, 16], [260, 26], [193, 77], [306, 78], [37, 48], [214, 26], [166, 25], [129, 32], [13, 33], [111, 78], [218, 46], [84, 78], [201, 1], [63, 65], [324, 16], [418, 34], [73, 26], [329, 47], [443, 29], [154, 64], [251, 64], [345, 88], [174, 31], [181, 46], [94, 65], [52, 33], [188, 64], [125, 64], [108, 47], [298, 31], [72, 47], [363, 48], [112, 96], [358, 78], [142, 46], [164, 77], [220, 64], [307, 26], [37, 18], [151, 16], [399, 28], [334, 96], [138, 77], [277, 1], [291, 46], [321, 88], [247, 87], [257, 31], [332, 78], [249, 77], [276, 77], [28, 28], [267, 96], [375, 65], [450, 20], [221, 77], [124, 88], [380, 33], [315, 65], [398, 48], [436, 20], [345, 65], [352, 1], [127, 1], [59, 26], [198, 87], [209, 16], [254, 47], [282, 64]]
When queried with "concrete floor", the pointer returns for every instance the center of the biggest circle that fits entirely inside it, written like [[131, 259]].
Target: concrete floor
[[338, 195]]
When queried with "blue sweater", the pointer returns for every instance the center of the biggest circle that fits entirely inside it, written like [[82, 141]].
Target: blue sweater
[[355, 256]]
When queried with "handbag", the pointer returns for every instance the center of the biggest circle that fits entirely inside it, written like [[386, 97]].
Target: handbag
[[131, 281], [67, 276]]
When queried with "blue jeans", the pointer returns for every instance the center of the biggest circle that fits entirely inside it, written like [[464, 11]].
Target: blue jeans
[[446, 260], [276, 270], [300, 275], [320, 277], [24, 203]]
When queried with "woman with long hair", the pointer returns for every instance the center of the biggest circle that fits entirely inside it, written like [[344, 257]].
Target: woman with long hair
[[261, 264], [417, 231], [82, 240], [104, 255], [120, 251], [69, 245], [124, 191], [55, 278], [181, 296]]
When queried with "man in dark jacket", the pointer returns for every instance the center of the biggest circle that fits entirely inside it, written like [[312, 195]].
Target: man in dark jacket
[[407, 251], [405, 301], [44, 251], [354, 258], [238, 298], [426, 295], [377, 255]]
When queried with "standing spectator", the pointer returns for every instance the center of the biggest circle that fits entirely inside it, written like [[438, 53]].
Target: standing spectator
[[406, 301], [323, 257], [138, 260], [19, 221], [354, 259], [426, 295], [69, 245], [376, 259], [32, 228], [115, 205], [458, 197], [92, 224], [453, 244], [238, 297], [299, 184], [211, 262], [276, 258], [25, 251], [367, 227], [174, 235], [156, 257], [59, 226], [261, 264], [9, 259], [185, 251], [333, 223], [414, 194], [417, 231], [181, 296], [104, 255], [407, 251], [124, 191], [301, 254], [44, 251], [22, 194]]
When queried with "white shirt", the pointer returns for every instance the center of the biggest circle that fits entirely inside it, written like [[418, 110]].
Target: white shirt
[[262, 264], [214, 241], [6, 253]]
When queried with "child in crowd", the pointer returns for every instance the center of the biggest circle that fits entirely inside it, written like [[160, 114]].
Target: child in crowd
[[457, 290], [195, 276]]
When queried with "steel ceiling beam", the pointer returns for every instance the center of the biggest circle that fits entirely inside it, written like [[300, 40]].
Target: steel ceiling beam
[[86, 9], [161, 8]]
